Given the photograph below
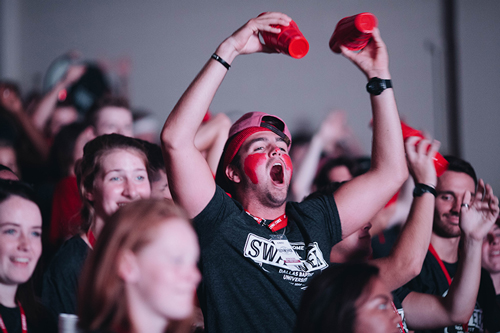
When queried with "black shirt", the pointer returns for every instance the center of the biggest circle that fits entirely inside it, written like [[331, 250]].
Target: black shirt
[[60, 281], [433, 281]]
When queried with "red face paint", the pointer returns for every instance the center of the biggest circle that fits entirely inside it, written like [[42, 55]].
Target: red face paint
[[251, 163], [288, 163]]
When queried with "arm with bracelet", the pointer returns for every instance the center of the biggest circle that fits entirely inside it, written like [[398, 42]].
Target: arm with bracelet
[[388, 170], [192, 184], [408, 254]]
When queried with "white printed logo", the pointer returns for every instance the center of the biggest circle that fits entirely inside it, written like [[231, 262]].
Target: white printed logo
[[264, 251]]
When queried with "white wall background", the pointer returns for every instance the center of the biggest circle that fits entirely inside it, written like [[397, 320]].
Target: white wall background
[[168, 42]]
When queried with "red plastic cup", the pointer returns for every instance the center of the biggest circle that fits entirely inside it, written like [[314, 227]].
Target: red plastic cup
[[289, 41], [440, 163], [354, 32]]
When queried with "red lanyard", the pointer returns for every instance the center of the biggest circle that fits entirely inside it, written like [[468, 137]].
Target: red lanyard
[[91, 238], [274, 225], [24, 325], [445, 271], [401, 326]]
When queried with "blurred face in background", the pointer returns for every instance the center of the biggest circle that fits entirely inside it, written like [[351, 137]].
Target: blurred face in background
[[159, 187], [491, 250], [62, 116], [165, 274], [374, 311], [8, 158], [112, 119]]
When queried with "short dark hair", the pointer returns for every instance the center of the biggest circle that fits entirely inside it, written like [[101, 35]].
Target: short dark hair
[[61, 152], [155, 159], [460, 165], [18, 188], [323, 179], [106, 101], [330, 299]]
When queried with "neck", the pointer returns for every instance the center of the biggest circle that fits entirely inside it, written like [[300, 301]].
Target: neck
[[268, 213], [142, 318], [446, 248], [8, 295], [495, 277], [97, 226]]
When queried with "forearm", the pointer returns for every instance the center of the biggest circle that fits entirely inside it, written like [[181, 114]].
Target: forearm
[[34, 135], [211, 138], [388, 156], [46, 107], [407, 256], [186, 117], [305, 174], [462, 295]]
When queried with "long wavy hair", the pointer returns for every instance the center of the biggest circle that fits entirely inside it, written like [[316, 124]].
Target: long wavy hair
[[89, 166], [102, 297], [329, 302]]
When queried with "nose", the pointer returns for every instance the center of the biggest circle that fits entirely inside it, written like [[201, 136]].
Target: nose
[[495, 240], [367, 226], [129, 189], [275, 151], [193, 275], [455, 208], [24, 243]]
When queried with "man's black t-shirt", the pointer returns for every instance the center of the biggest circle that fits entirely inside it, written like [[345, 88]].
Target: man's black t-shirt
[[60, 281], [433, 281], [247, 286]]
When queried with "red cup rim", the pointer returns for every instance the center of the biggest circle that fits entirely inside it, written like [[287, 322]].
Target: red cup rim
[[298, 47], [365, 22]]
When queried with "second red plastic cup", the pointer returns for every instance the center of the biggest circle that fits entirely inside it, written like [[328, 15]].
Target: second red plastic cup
[[354, 32], [440, 163]]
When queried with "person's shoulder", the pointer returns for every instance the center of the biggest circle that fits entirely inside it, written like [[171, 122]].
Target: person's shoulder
[[74, 250], [220, 202]]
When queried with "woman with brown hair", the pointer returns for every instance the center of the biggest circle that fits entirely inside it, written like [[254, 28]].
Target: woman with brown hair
[[143, 273], [112, 173]]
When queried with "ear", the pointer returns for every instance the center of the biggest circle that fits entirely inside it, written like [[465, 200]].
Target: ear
[[89, 196], [89, 133], [128, 269], [233, 173]]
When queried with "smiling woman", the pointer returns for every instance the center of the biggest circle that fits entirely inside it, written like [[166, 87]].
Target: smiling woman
[[20, 249], [113, 172]]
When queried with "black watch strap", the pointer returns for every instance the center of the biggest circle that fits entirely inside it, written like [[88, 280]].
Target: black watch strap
[[420, 189], [376, 86]]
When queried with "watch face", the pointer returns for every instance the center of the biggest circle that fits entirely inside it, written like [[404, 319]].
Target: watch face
[[375, 86]]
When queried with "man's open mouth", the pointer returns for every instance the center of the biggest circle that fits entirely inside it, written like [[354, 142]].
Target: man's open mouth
[[277, 175]]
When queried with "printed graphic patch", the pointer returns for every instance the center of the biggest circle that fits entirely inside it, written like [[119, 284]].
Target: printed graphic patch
[[265, 252]]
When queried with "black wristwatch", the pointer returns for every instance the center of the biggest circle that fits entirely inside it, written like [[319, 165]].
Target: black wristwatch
[[420, 189], [376, 85]]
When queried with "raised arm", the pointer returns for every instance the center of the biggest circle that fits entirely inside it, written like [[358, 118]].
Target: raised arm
[[332, 129], [192, 183], [47, 105], [422, 311], [388, 171], [211, 137], [407, 256]]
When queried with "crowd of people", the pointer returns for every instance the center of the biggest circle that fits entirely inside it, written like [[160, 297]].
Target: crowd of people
[[204, 229]]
